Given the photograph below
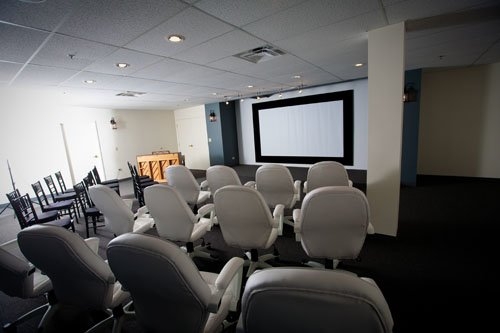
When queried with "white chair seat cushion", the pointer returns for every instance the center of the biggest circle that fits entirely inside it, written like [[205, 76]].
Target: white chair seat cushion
[[200, 229], [203, 196]]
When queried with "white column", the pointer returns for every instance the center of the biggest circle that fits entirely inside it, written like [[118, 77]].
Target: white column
[[385, 123]]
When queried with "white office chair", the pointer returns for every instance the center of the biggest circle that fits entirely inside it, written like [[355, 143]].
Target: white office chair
[[168, 291], [276, 184], [174, 219], [246, 222], [329, 173], [117, 213], [332, 223], [180, 177], [19, 278], [326, 173], [221, 175], [80, 278], [312, 300]]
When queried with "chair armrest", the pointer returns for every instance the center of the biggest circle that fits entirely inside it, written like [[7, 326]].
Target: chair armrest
[[93, 243], [250, 183], [204, 186], [13, 263], [350, 182], [141, 211], [231, 269], [278, 215], [305, 187], [296, 185], [297, 223], [204, 210]]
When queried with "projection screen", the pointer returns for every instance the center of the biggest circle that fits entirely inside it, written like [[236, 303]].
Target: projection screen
[[305, 130]]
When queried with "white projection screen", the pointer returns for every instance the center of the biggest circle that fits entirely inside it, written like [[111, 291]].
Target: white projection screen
[[305, 130]]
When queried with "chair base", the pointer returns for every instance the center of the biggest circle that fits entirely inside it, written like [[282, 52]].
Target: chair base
[[12, 326], [254, 263]]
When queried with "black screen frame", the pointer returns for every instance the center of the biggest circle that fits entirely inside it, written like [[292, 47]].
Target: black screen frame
[[346, 96]]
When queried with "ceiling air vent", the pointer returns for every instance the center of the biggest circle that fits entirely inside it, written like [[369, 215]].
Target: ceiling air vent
[[260, 54], [131, 93]]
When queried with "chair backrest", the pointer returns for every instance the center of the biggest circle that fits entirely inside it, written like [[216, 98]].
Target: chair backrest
[[40, 193], [221, 175], [334, 222], [244, 217], [60, 181], [95, 173], [91, 179], [117, 215], [81, 195], [79, 276], [173, 217], [49, 181], [167, 289], [327, 173], [313, 300], [180, 177], [23, 208], [275, 183]]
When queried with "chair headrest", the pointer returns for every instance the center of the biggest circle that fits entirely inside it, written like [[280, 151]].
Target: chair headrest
[[313, 301]]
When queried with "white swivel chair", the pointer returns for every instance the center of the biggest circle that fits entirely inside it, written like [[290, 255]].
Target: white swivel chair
[[168, 291], [221, 175], [117, 214], [80, 278], [276, 184], [312, 300], [246, 222], [326, 173], [332, 223], [174, 219], [329, 173], [19, 278], [180, 177]]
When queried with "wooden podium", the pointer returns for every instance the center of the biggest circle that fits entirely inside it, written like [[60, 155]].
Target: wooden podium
[[154, 165]]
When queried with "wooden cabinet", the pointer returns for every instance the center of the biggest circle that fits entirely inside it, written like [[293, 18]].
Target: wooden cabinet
[[154, 165]]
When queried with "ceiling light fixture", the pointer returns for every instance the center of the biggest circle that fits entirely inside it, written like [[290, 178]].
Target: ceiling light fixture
[[122, 65], [90, 81], [249, 86], [297, 76], [176, 38], [359, 64]]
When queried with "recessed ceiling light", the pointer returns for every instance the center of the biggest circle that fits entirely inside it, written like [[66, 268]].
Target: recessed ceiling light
[[90, 81], [122, 65], [249, 86], [215, 94], [297, 76], [359, 64], [176, 38]]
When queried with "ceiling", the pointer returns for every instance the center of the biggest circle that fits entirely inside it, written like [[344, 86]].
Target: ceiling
[[55, 45]]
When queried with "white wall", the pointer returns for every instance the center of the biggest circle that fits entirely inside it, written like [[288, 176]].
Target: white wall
[[460, 122], [31, 138], [244, 121]]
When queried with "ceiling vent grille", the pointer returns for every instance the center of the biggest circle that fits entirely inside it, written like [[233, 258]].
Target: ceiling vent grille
[[131, 93], [260, 54]]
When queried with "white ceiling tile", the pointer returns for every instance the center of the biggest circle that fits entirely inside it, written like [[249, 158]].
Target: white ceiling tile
[[241, 12], [163, 69], [18, 44], [415, 9], [231, 43], [8, 70], [58, 49], [117, 22], [44, 15], [196, 26], [102, 81], [136, 60], [308, 16], [34, 74]]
